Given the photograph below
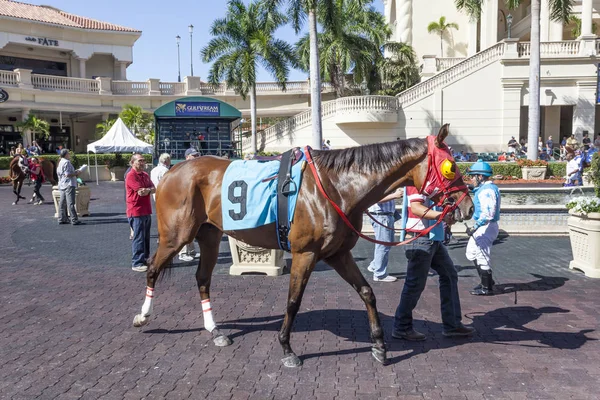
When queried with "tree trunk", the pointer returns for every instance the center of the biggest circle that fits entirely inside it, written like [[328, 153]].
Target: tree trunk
[[253, 146], [533, 131], [315, 81], [441, 45]]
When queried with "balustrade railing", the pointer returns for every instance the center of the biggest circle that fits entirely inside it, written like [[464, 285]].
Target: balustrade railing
[[129, 87], [427, 87], [447, 62], [52, 82], [354, 104], [565, 48], [172, 88], [9, 78]]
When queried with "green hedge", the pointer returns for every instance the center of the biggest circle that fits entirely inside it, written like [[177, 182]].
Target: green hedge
[[557, 169], [80, 159]]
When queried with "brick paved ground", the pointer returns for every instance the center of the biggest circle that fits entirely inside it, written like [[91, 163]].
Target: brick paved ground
[[68, 298]]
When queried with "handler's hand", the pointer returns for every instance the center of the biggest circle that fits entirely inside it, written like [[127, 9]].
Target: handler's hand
[[470, 231]]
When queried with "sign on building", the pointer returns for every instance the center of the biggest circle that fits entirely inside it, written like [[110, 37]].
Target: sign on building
[[42, 41], [3, 95], [197, 109]]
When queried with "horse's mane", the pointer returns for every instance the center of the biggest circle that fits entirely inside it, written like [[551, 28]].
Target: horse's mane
[[372, 157]]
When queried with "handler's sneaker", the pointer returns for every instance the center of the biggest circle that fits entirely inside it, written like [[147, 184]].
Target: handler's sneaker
[[140, 268], [461, 331], [388, 278], [185, 257]]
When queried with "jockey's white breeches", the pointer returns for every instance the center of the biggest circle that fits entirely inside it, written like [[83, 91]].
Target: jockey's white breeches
[[480, 245]]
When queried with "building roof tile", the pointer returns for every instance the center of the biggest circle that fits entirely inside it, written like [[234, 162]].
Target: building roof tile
[[50, 15]]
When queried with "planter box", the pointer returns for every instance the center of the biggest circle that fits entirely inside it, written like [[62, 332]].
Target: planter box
[[117, 173], [251, 259], [534, 173], [82, 201], [90, 174], [585, 237]]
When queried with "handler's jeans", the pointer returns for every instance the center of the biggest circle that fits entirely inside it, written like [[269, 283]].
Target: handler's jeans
[[140, 245], [67, 199], [381, 255], [422, 254]]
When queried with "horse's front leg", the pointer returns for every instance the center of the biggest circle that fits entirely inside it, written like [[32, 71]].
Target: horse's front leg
[[345, 265], [302, 266], [17, 185], [209, 238]]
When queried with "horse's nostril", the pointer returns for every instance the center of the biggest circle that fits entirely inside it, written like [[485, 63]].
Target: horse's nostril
[[471, 210]]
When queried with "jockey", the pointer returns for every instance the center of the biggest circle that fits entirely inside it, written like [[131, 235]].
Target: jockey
[[23, 162], [487, 213]]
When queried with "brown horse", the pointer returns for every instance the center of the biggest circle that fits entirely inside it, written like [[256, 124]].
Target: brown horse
[[18, 176], [188, 207]]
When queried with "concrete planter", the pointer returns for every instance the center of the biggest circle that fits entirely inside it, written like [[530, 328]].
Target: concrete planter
[[90, 175], [584, 232], [82, 201], [117, 173], [534, 173], [253, 259]]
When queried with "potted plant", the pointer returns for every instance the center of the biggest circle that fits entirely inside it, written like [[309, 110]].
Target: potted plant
[[533, 169], [252, 259], [117, 167]]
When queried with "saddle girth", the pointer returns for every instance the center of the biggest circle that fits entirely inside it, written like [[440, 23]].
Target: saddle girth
[[285, 187]]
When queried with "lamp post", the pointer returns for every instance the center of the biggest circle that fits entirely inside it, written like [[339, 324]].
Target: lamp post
[[178, 38], [509, 21], [191, 27]]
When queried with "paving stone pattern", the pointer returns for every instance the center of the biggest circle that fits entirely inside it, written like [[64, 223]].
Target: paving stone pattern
[[68, 297]]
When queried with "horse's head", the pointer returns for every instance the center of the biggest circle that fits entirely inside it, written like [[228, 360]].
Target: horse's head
[[441, 180]]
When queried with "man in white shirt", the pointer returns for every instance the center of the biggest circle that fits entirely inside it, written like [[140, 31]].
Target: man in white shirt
[[164, 163]]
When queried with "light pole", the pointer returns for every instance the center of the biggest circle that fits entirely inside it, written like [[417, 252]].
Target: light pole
[[191, 50], [178, 38], [509, 21]]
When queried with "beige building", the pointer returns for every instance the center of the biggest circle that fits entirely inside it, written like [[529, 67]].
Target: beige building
[[72, 71]]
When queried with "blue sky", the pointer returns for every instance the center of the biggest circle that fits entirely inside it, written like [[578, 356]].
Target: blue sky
[[155, 52]]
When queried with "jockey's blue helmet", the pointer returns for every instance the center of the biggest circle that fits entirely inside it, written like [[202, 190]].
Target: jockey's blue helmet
[[480, 168]]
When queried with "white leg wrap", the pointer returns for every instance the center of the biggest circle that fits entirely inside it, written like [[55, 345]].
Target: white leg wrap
[[209, 323], [147, 306]]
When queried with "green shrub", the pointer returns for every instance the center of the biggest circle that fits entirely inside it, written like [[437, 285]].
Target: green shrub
[[79, 159], [595, 173], [557, 169]]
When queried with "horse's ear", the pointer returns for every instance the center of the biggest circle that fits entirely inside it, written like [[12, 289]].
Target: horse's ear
[[442, 134]]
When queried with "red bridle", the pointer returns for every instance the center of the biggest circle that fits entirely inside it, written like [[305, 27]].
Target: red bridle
[[445, 201]]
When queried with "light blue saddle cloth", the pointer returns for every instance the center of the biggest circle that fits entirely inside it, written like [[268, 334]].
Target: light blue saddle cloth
[[247, 201]]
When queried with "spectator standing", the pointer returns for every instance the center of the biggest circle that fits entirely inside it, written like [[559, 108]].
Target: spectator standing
[[34, 149], [481, 237], [187, 252], [549, 146], [138, 187], [13, 151], [67, 184], [597, 142], [164, 163], [574, 170], [422, 254], [383, 212], [512, 145], [586, 141], [37, 176]]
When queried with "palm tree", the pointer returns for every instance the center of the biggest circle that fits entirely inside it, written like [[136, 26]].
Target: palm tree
[[560, 10], [350, 42], [441, 28], [136, 119], [103, 127], [298, 10], [244, 40], [34, 125], [397, 72], [576, 30]]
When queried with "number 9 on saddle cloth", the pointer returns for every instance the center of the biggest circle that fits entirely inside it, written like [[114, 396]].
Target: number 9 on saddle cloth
[[260, 192]]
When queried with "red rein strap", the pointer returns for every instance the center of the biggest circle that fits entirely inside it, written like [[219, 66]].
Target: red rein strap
[[447, 209]]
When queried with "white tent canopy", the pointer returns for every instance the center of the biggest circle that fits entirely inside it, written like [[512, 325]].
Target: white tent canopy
[[118, 139]]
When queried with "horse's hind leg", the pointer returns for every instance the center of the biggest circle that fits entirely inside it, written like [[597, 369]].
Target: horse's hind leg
[[163, 256], [17, 185], [346, 267], [302, 266], [209, 238]]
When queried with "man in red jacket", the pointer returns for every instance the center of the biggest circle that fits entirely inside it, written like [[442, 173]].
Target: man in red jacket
[[138, 188]]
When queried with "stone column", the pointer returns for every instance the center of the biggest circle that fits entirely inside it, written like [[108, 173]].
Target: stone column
[[586, 18], [555, 31], [545, 21], [24, 78], [472, 46], [511, 112], [489, 24], [123, 70], [192, 84], [584, 112], [82, 67], [404, 21], [429, 66], [105, 85], [154, 87]]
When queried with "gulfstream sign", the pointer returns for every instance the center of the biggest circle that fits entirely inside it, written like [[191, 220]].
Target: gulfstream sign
[[197, 109]]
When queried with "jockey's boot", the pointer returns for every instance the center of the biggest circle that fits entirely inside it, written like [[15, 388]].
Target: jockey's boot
[[478, 286], [487, 284]]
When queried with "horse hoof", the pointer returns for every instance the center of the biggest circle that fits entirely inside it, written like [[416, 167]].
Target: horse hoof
[[291, 361], [379, 355], [139, 320], [14, 203], [222, 341]]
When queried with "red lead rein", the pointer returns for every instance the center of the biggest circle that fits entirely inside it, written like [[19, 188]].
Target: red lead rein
[[344, 218]]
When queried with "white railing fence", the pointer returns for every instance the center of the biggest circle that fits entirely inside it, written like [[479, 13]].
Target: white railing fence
[[172, 88], [447, 62], [51, 82], [9, 78], [354, 104], [129, 87]]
